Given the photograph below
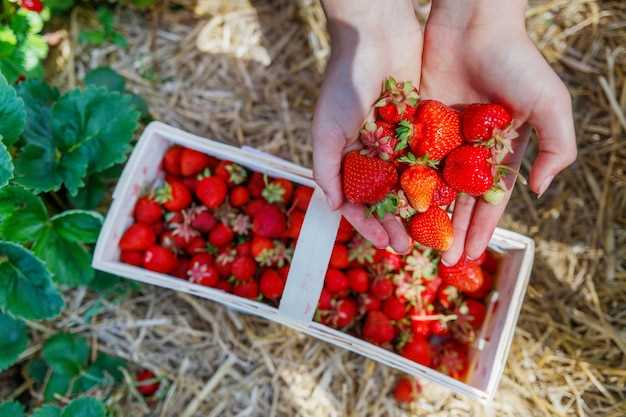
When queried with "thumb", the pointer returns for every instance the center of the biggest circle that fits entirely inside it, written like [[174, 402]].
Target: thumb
[[328, 147]]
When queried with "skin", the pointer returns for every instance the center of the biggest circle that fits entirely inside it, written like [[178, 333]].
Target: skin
[[482, 49]]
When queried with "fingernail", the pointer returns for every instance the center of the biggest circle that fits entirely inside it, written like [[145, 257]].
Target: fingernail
[[472, 258], [544, 185], [444, 262]]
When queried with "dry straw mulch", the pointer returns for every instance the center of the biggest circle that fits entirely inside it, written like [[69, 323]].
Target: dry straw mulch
[[249, 73]]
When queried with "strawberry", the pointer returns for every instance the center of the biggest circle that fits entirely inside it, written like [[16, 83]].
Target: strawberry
[[269, 222], [192, 162], [279, 190], [378, 328], [472, 312], [418, 350], [466, 275], [294, 224], [397, 102], [254, 206], [453, 360], [171, 160], [366, 179], [132, 257], [221, 235], [381, 288], [159, 259], [368, 303], [256, 184], [195, 245], [379, 138], [231, 173], [224, 262], [481, 121], [283, 271], [203, 274], [359, 280], [391, 262], [203, 221], [393, 308], [433, 228], [239, 196], [172, 241], [345, 232], [325, 301], [339, 257], [244, 248], [260, 245], [419, 183], [203, 258], [435, 132], [302, 197], [444, 195], [345, 312], [190, 182], [406, 389], [336, 282], [147, 211], [147, 383], [421, 327], [468, 169], [271, 284], [485, 288], [247, 289], [212, 191], [490, 263], [158, 227], [448, 296], [439, 328], [180, 271], [224, 285], [32, 5], [139, 236], [174, 196], [243, 268]]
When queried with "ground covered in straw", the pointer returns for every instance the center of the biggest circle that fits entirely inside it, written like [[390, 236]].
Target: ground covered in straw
[[249, 73]]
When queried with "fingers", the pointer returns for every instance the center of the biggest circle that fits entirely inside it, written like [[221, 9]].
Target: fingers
[[328, 146], [368, 226], [553, 120], [461, 217], [398, 237]]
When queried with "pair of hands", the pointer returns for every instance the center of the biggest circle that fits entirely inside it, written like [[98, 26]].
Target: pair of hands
[[471, 51]]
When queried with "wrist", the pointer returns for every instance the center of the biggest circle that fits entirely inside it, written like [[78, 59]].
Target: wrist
[[469, 14]]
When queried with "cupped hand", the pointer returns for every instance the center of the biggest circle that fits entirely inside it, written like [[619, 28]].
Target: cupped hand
[[485, 55], [370, 42]]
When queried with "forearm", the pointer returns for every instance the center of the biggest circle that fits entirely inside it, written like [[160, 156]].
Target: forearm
[[464, 14]]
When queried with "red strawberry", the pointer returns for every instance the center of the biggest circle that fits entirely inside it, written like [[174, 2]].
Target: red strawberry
[[192, 162], [436, 130], [433, 228], [224, 262], [172, 241], [269, 222], [336, 282], [157, 227], [369, 303], [254, 206], [419, 326], [180, 271], [243, 268], [302, 197], [271, 284], [221, 235], [231, 173], [256, 184], [381, 288], [203, 274], [159, 259], [465, 275], [147, 383], [239, 196], [419, 183], [366, 179], [472, 312], [294, 224], [359, 280], [279, 190], [260, 245], [418, 350], [439, 328], [378, 328], [247, 289], [132, 257], [325, 301], [212, 191], [174, 196], [346, 310], [444, 195], [147, 211], [203, 221], [244, 248], [346, 231], [203, 258], [453, 360], [485, 288], [468, 169], [137, 237], [171, 160], [490, 264], [196, 245], [339, 257], [481, 121], [397, 102], [448, 296], [391, 262], [283, 271], [379, 138], [191, 183], [393, 308], [406, 390], [224, 285]]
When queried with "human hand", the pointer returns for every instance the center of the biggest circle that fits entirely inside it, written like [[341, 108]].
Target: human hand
[[370, 42], [479, 51]]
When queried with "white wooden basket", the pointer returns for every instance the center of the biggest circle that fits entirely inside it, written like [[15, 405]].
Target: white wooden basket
[[310, 262]]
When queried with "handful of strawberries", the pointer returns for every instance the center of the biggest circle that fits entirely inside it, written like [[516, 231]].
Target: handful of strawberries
[[418, 155]]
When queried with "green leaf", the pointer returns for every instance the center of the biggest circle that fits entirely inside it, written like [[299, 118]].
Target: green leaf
[[6, 165], [106, 77], [27, 289], [59, 5], [66, 353], [105, 369], [37, 370], [140, 105], [92, 37], [78, 225], [8, 41], [58, 384], [47, 411], [84, 407], [119, 40], [91, 195], [35, 49], [105, 17], [13, 340], [22, 214], [12, 113], [12, 409]]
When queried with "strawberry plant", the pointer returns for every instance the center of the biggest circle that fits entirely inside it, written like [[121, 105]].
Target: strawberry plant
[[105, 33], [22, 48], [81, 407]]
